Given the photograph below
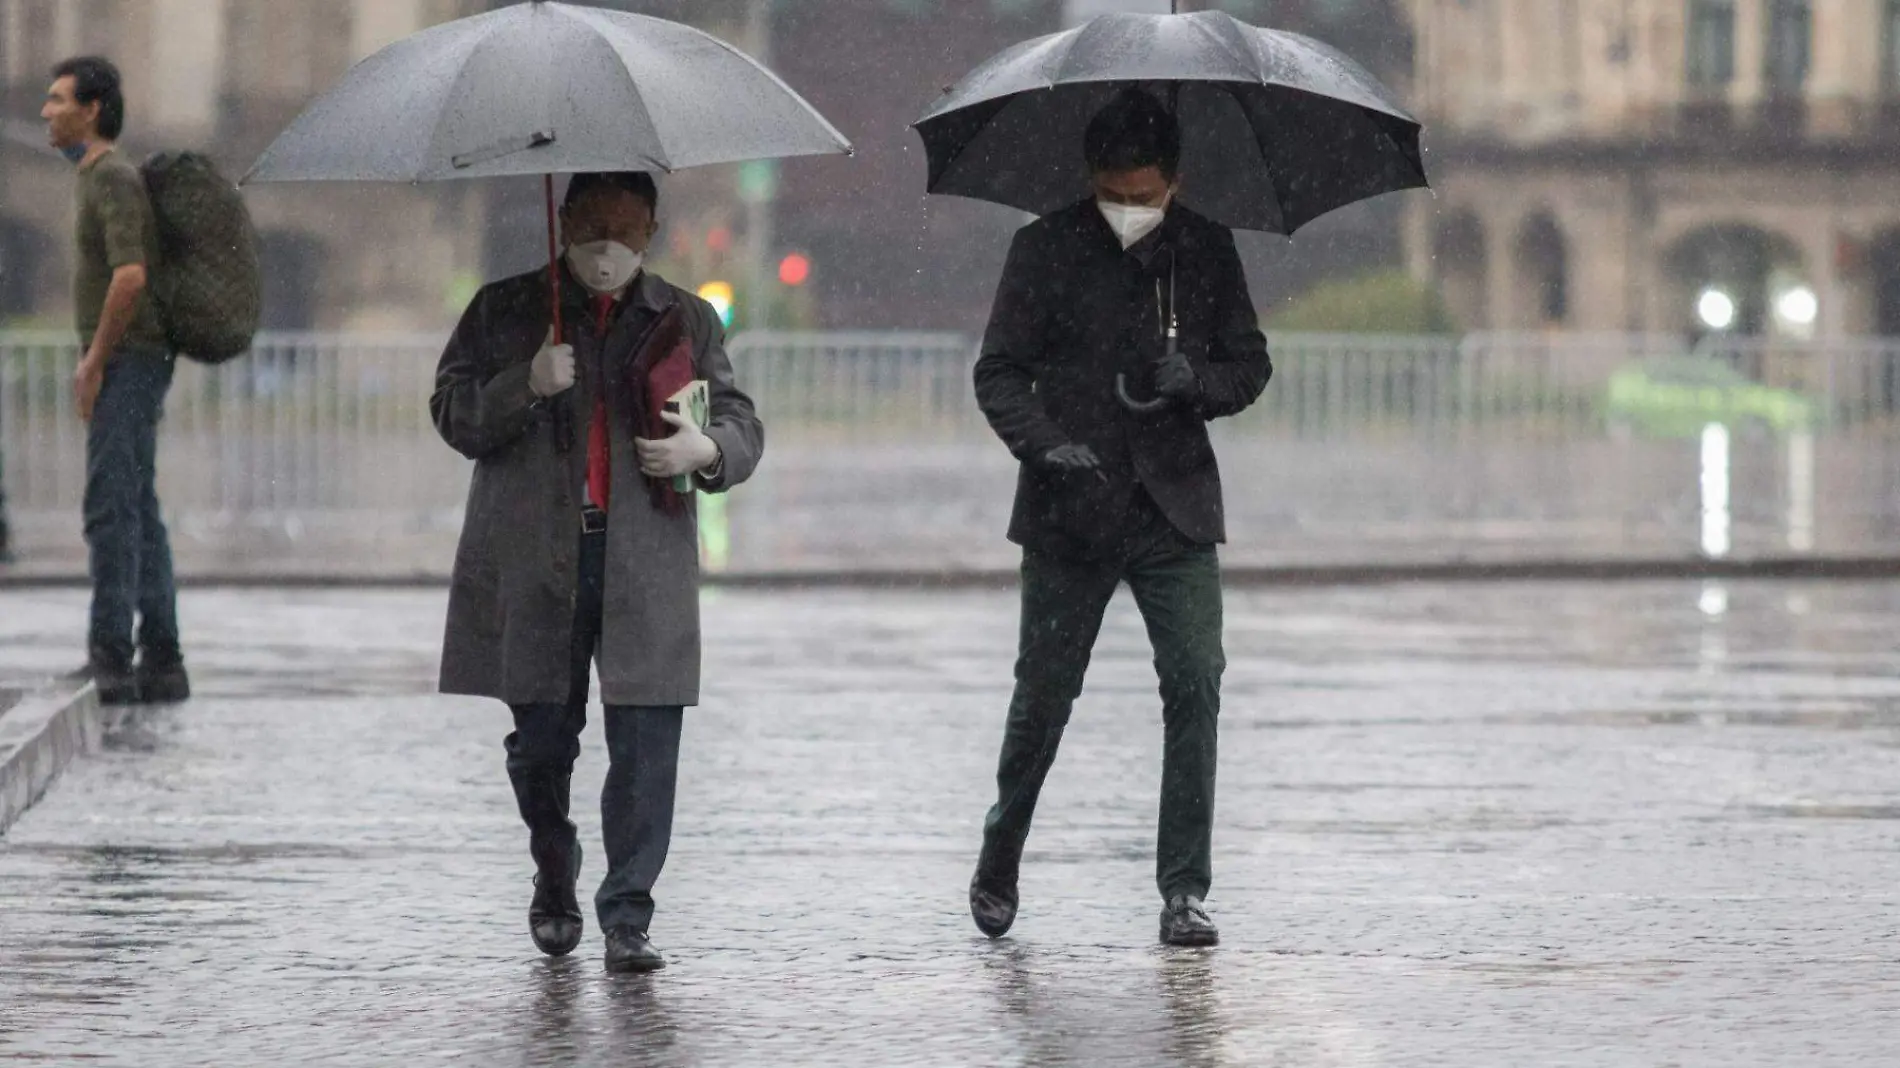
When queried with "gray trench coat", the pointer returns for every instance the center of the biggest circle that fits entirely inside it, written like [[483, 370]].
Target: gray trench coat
[[511, 601]]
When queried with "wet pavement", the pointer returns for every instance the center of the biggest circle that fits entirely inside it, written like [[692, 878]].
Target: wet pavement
[[1471, 825]]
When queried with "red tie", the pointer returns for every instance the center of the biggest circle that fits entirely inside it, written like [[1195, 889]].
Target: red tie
[[598, 456]]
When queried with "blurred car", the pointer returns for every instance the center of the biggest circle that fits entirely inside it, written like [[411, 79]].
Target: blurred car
[[1677, 397]]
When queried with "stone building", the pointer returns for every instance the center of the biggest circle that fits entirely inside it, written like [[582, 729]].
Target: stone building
[[224, 76], [1661, 165]]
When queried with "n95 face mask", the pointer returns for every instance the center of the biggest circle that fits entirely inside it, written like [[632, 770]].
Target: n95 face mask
[[1131, 224], [604, 266]]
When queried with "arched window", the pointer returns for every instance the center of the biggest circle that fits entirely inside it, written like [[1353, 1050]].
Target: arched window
[[1543, 272], [1732, 279], [1459, 267]]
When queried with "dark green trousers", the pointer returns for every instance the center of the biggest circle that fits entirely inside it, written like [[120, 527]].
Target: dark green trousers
[[1177, 587]]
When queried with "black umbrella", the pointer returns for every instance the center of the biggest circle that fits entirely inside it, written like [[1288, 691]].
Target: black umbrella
[[1277, 128]]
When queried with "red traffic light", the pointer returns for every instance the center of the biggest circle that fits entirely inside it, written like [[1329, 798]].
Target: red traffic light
[[794, 269]]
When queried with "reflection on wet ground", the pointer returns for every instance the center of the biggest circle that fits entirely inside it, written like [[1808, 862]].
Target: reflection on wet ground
[[1619, 825]]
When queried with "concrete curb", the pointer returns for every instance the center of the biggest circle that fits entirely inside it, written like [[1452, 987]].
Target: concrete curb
[[1370, 574], [39, 737], [1340, 574]]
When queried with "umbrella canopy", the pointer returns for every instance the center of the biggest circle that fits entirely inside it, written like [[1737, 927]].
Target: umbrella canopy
[[546, 88], [1277, 129]]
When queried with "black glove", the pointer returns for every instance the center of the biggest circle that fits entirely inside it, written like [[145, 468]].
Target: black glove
[[1175, 379], [1072, 458]]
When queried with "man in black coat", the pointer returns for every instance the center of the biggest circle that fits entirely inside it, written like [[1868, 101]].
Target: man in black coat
[[1116, 487]]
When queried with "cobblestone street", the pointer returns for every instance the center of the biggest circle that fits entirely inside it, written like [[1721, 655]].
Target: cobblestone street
[[1461, 825]]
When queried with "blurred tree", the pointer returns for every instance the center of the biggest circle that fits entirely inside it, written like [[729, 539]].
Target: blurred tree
[[1382, 302]]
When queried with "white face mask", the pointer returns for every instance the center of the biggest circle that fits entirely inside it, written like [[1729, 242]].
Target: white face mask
[[1130, 223], [604, 266]]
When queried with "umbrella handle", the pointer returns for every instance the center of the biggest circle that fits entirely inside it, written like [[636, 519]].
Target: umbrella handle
[[561, 412], [1133, 405], [1121, 380], [554, 262]]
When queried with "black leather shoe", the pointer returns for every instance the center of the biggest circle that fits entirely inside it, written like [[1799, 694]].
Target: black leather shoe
[[554, 918], [162, 679], [629, 951], [992, 906], [1184, 922]]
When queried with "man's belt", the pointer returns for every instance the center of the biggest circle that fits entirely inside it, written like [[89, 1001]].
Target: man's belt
[[593, 520]]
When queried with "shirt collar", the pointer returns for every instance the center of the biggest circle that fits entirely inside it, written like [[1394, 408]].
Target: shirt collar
[[648, 290], [88, 165]]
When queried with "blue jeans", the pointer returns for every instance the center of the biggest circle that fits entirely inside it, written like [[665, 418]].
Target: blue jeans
[[131, 556]]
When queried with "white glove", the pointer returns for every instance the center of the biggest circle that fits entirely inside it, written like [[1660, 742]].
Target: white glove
[[553, 368], [684, 452]]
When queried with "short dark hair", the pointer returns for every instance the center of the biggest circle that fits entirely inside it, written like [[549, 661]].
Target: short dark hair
[[639, 183], [1132, 132], [96, 81]]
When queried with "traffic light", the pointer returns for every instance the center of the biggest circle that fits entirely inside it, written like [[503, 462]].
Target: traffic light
[[719, 295], [794, 269]]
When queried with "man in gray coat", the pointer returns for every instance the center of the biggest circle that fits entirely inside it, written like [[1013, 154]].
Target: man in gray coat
[[577, 550]]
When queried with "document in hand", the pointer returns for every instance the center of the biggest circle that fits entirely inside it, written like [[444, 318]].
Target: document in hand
[[696, 403]]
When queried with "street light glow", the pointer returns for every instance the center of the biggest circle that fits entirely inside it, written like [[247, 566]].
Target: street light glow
[[719, 295], [1716, 309], [1799, 306]]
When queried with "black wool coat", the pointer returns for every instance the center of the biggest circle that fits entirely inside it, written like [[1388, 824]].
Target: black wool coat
[[1073, 310]]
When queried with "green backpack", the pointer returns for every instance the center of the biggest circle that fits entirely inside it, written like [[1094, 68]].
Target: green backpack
[[207, 284]]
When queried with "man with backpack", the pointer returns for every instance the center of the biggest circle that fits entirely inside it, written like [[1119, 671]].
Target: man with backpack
[[124, 372]]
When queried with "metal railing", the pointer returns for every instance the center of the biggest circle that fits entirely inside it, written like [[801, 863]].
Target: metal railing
[[304, 423], [1406, 444]]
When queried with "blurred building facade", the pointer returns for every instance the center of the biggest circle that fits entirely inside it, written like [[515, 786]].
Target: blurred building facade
[[224, 76], [1661, 165], [886, 255]]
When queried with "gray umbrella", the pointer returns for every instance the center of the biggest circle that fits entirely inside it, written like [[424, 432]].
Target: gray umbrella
[[546, 88], [1277, 128]]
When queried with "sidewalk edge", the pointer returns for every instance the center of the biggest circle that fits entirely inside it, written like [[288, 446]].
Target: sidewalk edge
[[1344, 573], [39, 737]]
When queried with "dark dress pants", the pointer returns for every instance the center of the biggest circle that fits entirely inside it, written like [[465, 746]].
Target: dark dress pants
[[1177, 588], [636, 804], [131, 554]]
